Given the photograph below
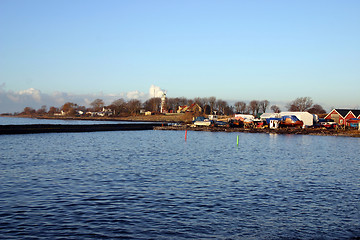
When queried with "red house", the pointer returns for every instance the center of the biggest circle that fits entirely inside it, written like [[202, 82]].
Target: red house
[[341, 116]]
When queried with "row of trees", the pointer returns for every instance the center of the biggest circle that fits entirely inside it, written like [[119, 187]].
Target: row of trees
[[210, 105], [305, 104]]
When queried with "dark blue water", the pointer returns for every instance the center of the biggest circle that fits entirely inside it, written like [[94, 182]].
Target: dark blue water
[[154, 185]]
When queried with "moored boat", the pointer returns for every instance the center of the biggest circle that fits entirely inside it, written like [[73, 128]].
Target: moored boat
[[202, 121], [290, 121]]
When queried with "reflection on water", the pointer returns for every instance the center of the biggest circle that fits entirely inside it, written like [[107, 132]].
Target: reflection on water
[[156, 185]]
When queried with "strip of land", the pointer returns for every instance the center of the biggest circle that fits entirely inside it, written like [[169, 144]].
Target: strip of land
[[157, 122], [60, 128], [303, 131]]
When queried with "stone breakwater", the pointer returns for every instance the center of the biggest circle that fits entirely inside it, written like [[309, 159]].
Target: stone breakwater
[[58, 128], [306, 131]]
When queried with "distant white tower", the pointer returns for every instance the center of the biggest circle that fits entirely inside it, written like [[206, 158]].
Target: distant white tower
[[163, 102]]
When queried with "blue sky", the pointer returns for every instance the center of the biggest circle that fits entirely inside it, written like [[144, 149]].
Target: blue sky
[[233, 50]]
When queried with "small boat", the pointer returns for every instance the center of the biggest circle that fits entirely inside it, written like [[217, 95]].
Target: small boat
[[236, 123], [220, 124], [291, 121], [202, 121]]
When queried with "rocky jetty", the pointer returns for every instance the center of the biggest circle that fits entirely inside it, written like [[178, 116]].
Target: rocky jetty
[[57, 128]]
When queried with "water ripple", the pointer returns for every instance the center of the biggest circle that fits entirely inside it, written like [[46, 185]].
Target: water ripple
[[154, 185]]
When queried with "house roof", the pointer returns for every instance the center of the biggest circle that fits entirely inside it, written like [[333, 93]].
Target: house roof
[[356, 113], [191, 107], [344, 112]]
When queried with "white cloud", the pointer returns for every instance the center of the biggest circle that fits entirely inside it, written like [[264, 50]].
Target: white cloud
[[135, 95], [155, 91], [13, 97], [31, 93], [11, 101]]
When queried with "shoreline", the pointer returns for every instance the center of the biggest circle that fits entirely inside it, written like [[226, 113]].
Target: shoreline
[[283, 131], [179, 118]]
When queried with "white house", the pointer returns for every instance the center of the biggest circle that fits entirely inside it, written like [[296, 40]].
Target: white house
[[62, 113]]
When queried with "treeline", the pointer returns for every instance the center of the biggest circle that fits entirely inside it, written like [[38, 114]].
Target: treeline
[[209, 105]]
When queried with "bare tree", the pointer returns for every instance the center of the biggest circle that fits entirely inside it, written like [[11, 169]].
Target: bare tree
[[69, 108], [119, 102], [29, 111], [263, 105], [53, 110], [118, 106], [212, 101], [97, 104], [200, 101], [221, 105], [207, 109], [229, 110], [301, 104], [134, 106], [240, 107], [254, 107], [190, 101], [317, 109], [41, 110], [182, 101], [81, 108], [275, 109], [172, 104], [152, 104]]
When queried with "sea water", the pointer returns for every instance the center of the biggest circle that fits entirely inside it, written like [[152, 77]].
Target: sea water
[[155, 185]]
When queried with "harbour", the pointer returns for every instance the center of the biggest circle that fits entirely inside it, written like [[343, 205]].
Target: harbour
[[158, 120], [155, 184], [286, 131]]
